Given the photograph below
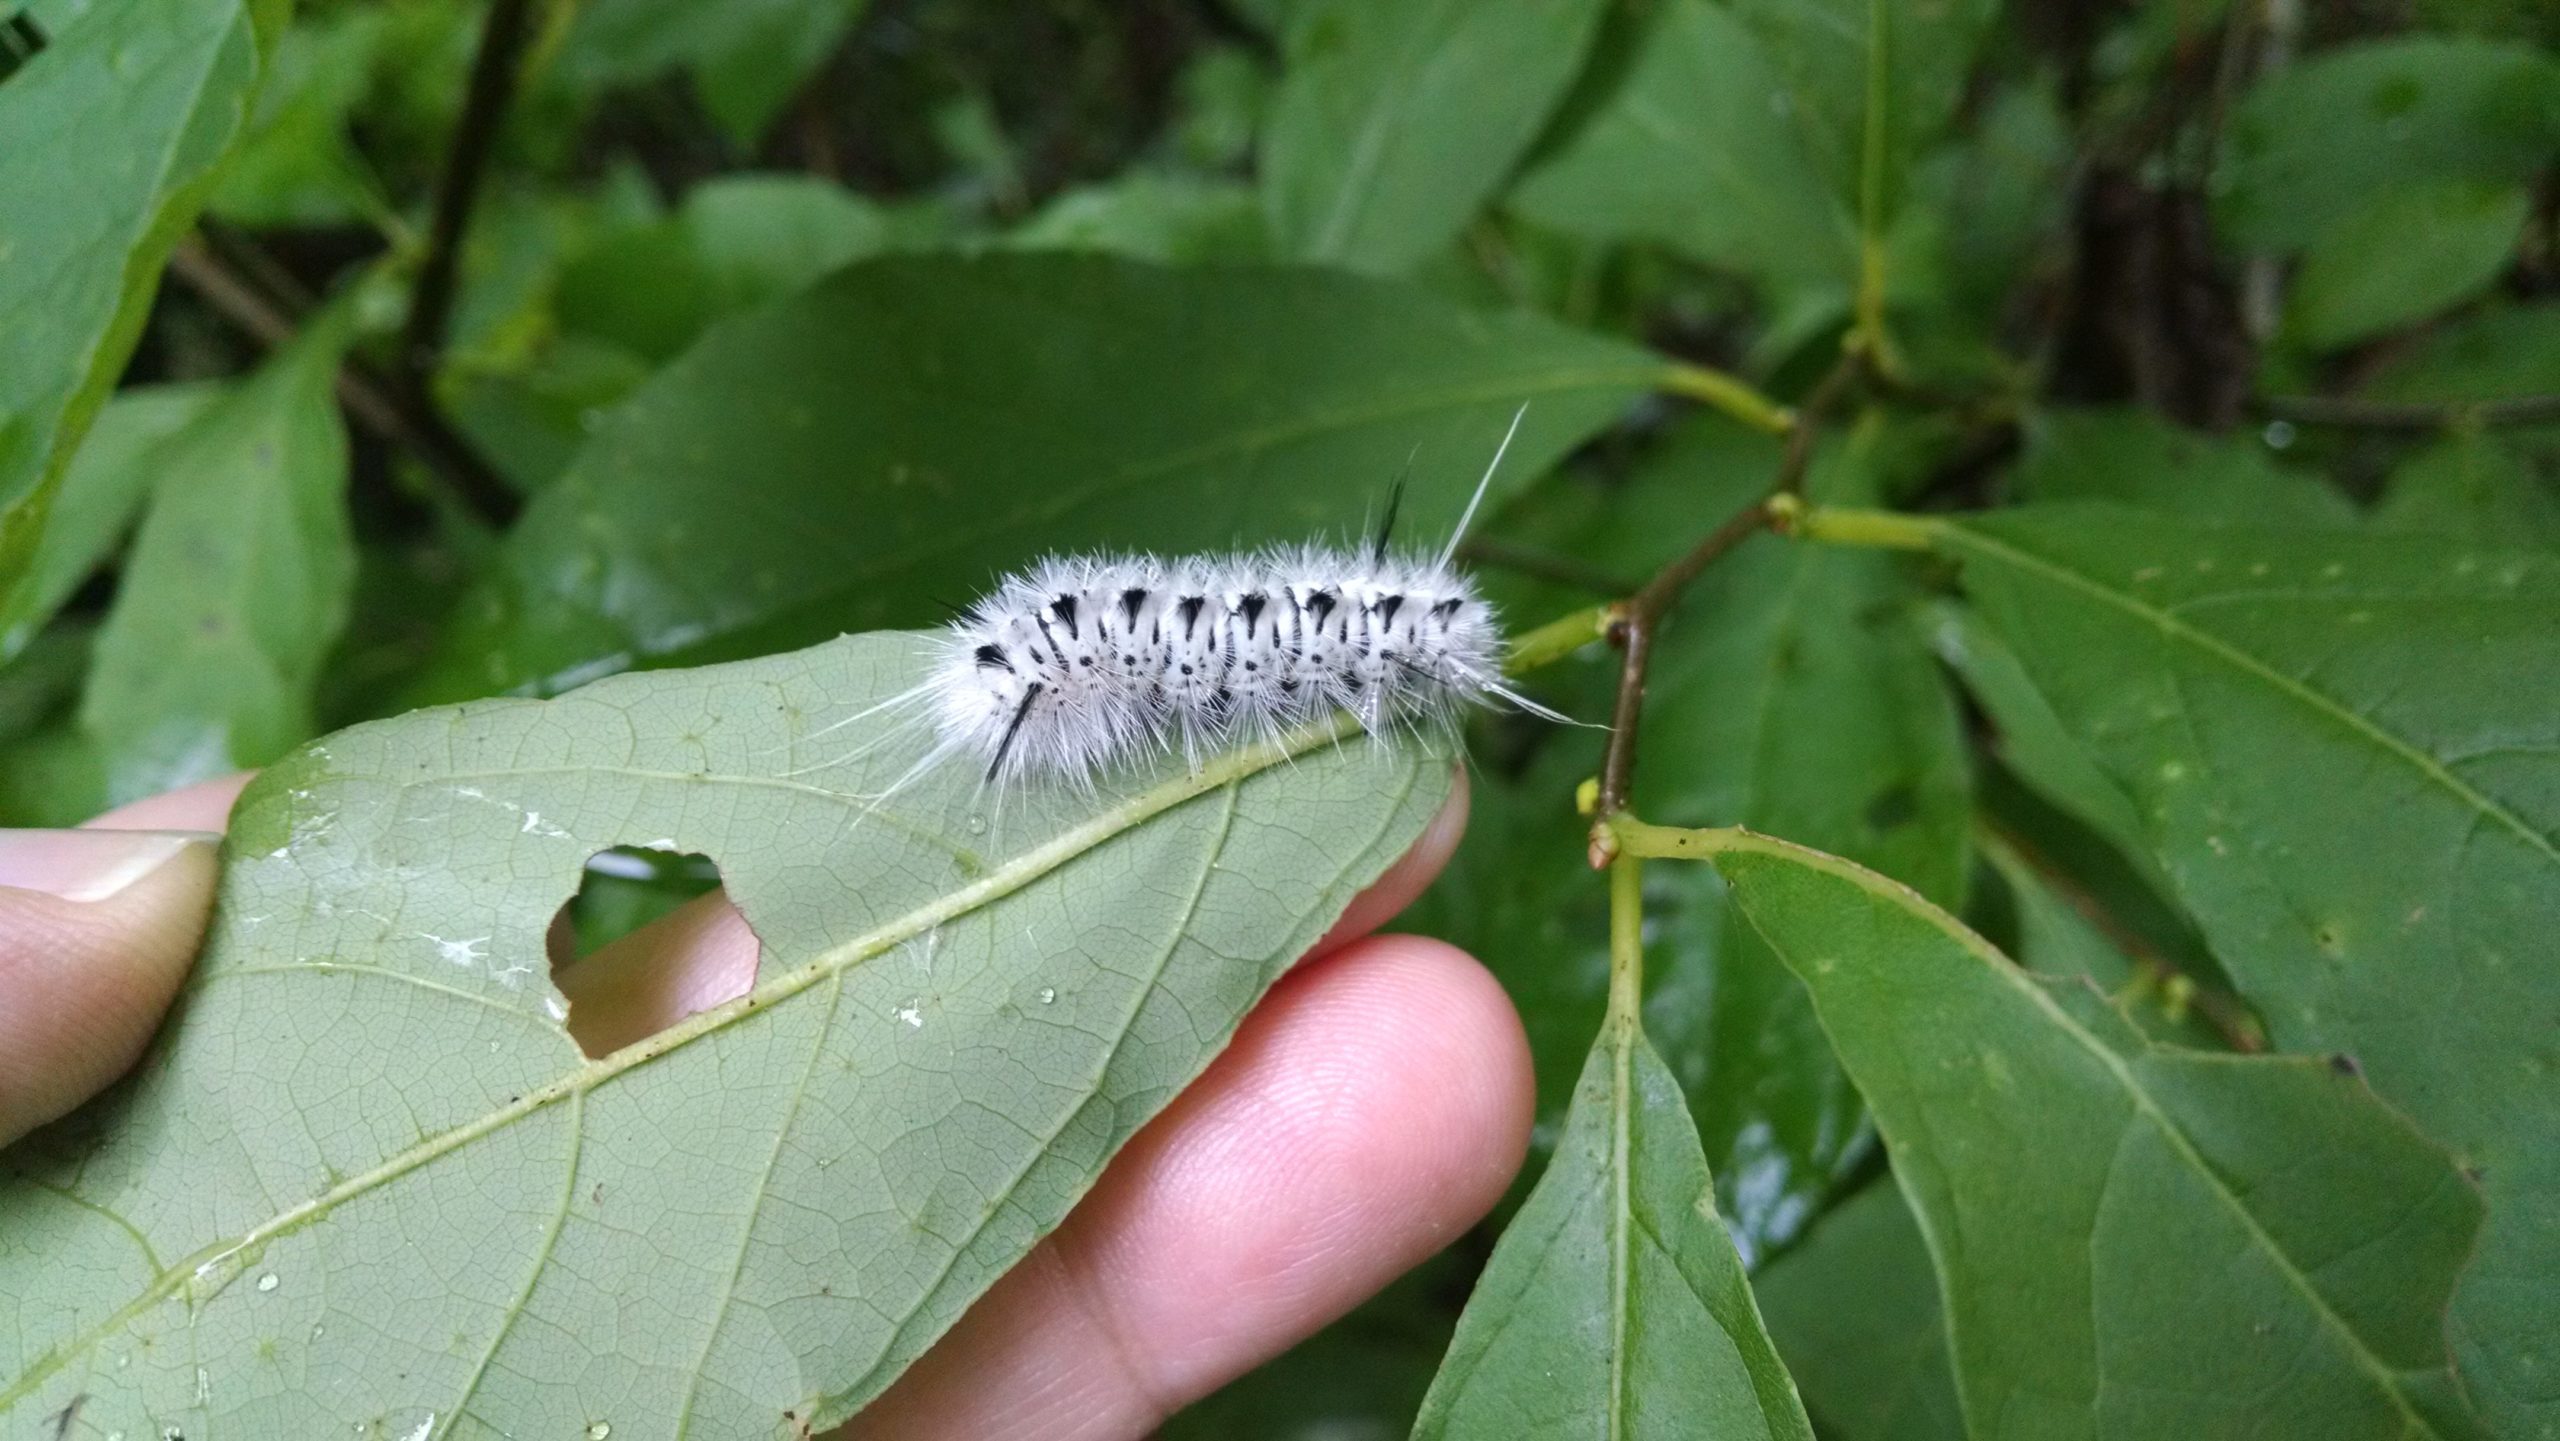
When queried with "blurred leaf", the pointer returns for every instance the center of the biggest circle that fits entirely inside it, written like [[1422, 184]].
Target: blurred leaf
[[1614, 1304], [735, 242], [2473, 487], [2342, 748], [115, 467], [1225, 94], [1854, 1311], [37, 688], [2259, 1235], [2488, 357], [1836, 57], [907, 429], [2414, 251], [296, 163], [1985, 208], [371, 1097], [2091, 975], [2138, 457], [1690, 152], [1394, 123], [1164, 218], [747, 57], [2320, 141], [237, 585], [108, 142]]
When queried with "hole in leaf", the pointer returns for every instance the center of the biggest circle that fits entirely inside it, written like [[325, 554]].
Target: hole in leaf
[[647, 941]]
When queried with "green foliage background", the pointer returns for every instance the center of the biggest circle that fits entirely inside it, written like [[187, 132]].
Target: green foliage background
[[2181, 378]]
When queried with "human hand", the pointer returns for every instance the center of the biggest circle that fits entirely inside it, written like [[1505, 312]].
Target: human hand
[[1371, 1108]]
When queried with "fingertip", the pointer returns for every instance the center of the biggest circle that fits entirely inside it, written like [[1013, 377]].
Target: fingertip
[[204, 806], [1412, 873], [1371, 1109], [94, 941]]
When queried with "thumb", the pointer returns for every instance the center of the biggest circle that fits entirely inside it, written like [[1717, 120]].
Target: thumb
[[97, 928]]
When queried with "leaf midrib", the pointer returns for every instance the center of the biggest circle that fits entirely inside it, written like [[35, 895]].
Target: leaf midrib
[[1229, 769], [1896, 894], [2171, 625]]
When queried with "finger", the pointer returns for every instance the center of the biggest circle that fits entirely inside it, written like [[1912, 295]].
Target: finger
[[1371, 1110], [204, 806], [703, 953], [97, 928]]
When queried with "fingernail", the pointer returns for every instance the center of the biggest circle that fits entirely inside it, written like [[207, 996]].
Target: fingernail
[[89, 865]]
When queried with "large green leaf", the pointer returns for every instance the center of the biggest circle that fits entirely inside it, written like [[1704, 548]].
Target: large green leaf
[[368, 1181], [882, 445], [2474, 486], [108, 142], [1615, 1306], [1855, 1313], [2131, 1242], [237, 586], [2317, 142], [2342, 748], [1687, 152], [2139, 458], [1395, 122]]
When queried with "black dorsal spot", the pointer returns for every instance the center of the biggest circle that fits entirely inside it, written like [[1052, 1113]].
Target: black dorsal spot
[[1320, 603], [1250, 607], [1190, 607], [1130, 602], [1064, 608], [1388, 605], [992, 656], [1447, 608]]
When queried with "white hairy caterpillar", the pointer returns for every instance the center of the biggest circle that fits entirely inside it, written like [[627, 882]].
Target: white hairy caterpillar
[[1079, 664]]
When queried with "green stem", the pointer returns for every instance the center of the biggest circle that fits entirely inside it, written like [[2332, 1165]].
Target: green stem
[[1643, 839], [1875, 529], [1557, 639], [1730, 394], [1626, 941], [1867, 330]]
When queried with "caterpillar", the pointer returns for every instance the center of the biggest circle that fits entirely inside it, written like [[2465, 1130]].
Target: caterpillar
[[1078, 664]]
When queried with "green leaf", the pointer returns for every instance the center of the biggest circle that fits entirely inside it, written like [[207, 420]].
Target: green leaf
[[2138, 458], [2318, 142], [747, 57], [1855, 1313], [297, 164], [1838, 59], [108, 142], [114, 469], [1615, 1305], [1164, 218], [736, 242], [237, 586], [1394, 123], [2414, 251], [2474, 487], [1688, 153], [369, 1153], [2501, 354], [891, 439], [2131, 1241], [2342, 750]]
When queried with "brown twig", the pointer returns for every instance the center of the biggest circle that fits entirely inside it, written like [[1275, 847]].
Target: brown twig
[[475, 136], [396, 415], [2410, 415], [1636, 617]]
